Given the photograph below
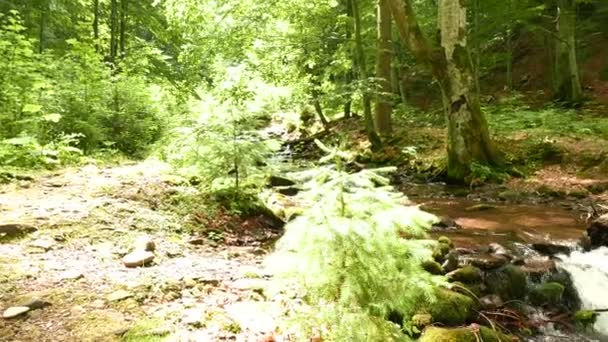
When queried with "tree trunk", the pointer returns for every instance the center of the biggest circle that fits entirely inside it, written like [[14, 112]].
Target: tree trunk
[[509, 45], [568, 84], [124, 5], [468, 136], [383, 70], [477, 46], [44, 9], [350, 75], [96, 24], [373, 137], [113, 30], [317, 104]]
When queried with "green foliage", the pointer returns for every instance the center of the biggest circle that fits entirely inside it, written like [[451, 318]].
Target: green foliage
[[26, 151], [357, 255]]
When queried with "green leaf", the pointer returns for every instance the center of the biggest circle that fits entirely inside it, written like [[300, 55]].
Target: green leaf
[[31, 108], [54, 117]]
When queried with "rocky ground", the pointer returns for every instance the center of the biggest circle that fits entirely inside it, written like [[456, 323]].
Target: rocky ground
[[67, 268]]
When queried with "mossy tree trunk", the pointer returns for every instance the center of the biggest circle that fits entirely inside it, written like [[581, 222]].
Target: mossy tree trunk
[[384, 107], [567, 82], [468, 135]]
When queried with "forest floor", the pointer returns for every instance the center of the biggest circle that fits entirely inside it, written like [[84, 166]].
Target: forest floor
[[87, 219]]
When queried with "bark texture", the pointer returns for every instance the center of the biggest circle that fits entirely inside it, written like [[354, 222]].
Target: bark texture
[[384, 107], [567, 81], [468, 136]]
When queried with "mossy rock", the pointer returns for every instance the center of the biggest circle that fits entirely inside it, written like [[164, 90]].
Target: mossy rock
[[480, 207], [440, 251], [422, 320], [446, 241], [450, 308], [547, 294], [474, 291], [509, 282], [468, 274], [433, 267], [466, 334], [511, 196], [585, 317]]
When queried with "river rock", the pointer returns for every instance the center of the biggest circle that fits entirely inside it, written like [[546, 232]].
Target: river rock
[[547, 294], [280, 181], [35, 303], [119, 295], [509, 282], [536, 267], [486, 261], [451, 261], [145, 243], [598, 231], [15, 229], [500, 250], [445, 223], [468, 274], [491, 302], [552, 248], [43, 244], [15, 311], [138, 259]]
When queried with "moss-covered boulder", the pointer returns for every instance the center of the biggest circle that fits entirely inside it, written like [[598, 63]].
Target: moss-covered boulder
[[472, 290], [509, 282], [585, 318], [474, 333], [468, 274], [433, 267], [547, 294], [440, 251], [450, 308]]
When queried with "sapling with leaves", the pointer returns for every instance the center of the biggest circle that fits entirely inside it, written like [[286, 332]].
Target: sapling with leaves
[[356, 253]]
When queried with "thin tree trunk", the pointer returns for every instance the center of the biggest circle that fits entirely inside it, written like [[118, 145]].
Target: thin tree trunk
[[383, 70], [44, 9], [350, 75], [319, 109], [568, 86], [509, 43], [113, 30], [96, 24], [373, 137], [124, 6], [468, 136]]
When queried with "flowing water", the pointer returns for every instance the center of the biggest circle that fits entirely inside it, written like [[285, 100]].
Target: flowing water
[[507, 224], [512, 224], [589, 271]]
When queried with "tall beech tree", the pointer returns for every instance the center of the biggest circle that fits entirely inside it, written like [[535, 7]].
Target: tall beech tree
[[468, 135], [567, 79]]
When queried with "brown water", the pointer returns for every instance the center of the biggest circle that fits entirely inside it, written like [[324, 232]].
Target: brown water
[[506, 223]]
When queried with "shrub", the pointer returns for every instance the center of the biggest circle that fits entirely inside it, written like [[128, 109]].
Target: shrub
[[356, 254]]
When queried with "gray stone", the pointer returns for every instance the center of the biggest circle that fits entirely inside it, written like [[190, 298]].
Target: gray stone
[[138, 258], [15, 311], [119, 295], [44, 244]]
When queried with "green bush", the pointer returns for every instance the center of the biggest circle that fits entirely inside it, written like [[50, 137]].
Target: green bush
[[356, 254]]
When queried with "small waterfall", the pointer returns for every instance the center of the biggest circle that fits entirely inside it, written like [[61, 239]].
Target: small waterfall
[[589, 273]]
